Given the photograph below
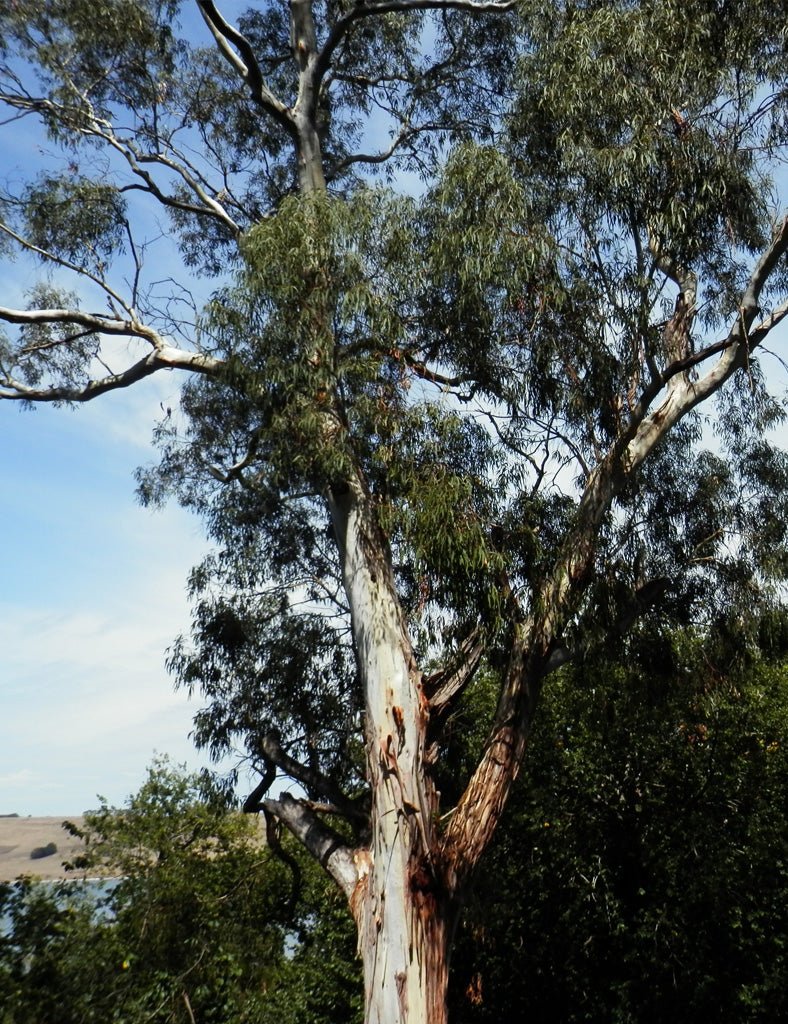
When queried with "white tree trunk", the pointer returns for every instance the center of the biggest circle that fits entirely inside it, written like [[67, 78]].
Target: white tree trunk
[[398, 904], [404, 945]]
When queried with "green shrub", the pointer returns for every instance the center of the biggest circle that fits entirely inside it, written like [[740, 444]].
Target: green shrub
[[43, 851]]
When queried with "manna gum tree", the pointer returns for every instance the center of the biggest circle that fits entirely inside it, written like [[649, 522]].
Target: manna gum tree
[[424, 432]]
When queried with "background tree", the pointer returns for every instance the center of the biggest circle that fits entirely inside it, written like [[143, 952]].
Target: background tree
[[420, 430], [639, 873], [198, 921]]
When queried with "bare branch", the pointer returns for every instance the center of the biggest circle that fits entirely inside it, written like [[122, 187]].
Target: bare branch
[[444, 686], [402, 139], [210, 206], [309, 777], [371, 10], [92, 321], [60, 261], [163, 357], [97, 128]]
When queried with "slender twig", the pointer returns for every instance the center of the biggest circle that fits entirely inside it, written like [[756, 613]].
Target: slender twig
[[371, 10], [61, 261]]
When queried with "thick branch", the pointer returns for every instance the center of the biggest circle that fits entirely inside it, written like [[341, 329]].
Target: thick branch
[[759, 331], [425, 372], [535, 650], [442, 688], [763, 270], [244, 61], [313, 780], [736, 352], [254, 802], [325, 845], [165, 358], [92, 321]]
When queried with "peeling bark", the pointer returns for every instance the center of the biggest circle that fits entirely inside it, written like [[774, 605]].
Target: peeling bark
[[401, 903]]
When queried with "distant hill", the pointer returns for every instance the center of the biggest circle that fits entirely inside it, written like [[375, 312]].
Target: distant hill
[[19, 837]]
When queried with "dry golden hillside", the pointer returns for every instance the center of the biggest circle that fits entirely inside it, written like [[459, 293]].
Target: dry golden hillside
[[20, 836]]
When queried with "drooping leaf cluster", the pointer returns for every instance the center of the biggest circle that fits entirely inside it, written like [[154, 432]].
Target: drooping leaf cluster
[[658, 118], [322, 311]]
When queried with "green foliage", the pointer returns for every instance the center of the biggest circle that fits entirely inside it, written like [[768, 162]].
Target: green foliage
[[641, 873], [116, 51], [648, 127], [466, 360], [58, 960], [198, 920], [78, 220], [60, 347], [472, 352], [263, 666], [320, 981]]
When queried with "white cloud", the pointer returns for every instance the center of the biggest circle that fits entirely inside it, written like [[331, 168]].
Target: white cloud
[[92, 593], [14, 780]]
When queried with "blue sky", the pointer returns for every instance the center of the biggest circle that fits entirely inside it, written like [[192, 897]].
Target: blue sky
[[92, 586], [92, 591]]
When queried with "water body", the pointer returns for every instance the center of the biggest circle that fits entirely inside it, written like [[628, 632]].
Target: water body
[[90, 889]]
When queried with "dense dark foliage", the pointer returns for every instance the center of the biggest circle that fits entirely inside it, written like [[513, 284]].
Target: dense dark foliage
[[641, 873], [196, 921]]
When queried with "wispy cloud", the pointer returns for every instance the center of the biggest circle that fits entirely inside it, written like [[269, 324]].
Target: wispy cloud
[[15, 780], [92, 593]]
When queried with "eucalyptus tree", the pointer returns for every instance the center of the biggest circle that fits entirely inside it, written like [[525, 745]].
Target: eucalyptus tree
[[427, 431]]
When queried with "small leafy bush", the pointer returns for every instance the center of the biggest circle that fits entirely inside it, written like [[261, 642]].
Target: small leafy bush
[[43, 851]]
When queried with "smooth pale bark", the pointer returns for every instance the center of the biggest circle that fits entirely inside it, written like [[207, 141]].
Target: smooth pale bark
[[400, 904]]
